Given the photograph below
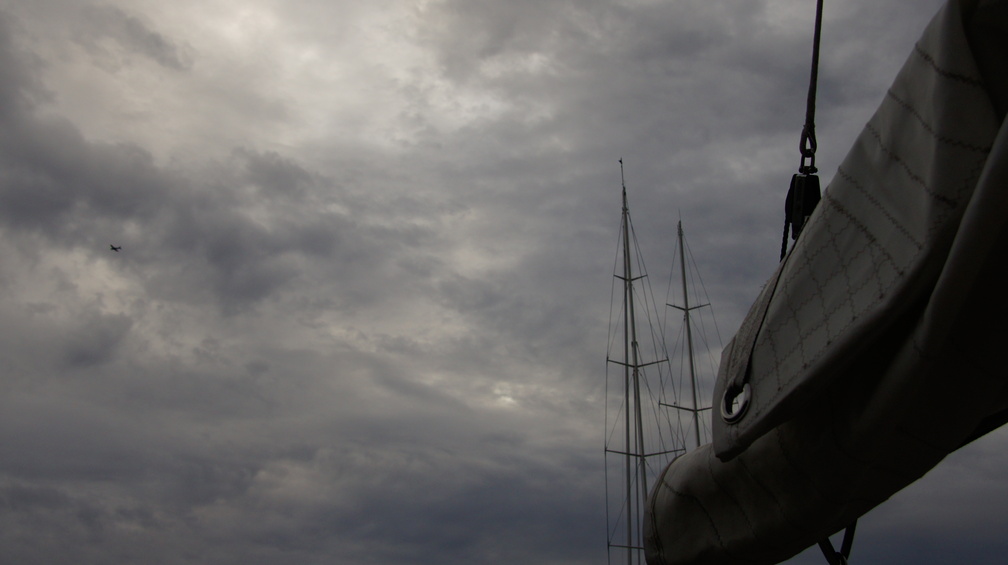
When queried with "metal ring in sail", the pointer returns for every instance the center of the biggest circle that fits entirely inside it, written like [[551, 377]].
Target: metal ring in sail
[[735, 403]]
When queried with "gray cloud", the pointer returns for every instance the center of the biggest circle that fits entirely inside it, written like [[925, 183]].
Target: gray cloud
[[131, 35], [362, 320]]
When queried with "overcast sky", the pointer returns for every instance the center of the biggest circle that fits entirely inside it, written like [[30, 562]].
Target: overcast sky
[[360, 311]]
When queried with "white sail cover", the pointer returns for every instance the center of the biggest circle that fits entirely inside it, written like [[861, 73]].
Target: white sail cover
[[875, 349]]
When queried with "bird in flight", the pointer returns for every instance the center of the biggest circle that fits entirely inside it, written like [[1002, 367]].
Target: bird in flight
[[114, 248]]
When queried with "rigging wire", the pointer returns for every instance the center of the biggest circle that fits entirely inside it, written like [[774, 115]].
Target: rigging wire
[[705, 365], [629, 510], [808, 144], [804, 193]]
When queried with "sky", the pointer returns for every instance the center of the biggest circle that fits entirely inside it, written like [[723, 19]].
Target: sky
[[360, 313]]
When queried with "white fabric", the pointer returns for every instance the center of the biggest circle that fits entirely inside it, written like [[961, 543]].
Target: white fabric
[[874, 246], [872, 352]]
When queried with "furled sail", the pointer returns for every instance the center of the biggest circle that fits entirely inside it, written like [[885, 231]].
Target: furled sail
[[874, 350]]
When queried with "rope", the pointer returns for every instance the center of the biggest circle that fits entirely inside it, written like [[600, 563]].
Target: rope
[[807, 145], [804, 193], [783, 243]]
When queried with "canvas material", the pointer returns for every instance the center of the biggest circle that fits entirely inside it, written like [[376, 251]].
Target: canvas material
[[866, 439], [889, 401], [873, 249]]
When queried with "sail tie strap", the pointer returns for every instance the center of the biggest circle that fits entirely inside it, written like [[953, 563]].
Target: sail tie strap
[[835, 557]]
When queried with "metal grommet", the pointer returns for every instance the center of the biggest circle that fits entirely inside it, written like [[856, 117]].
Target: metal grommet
[[735, 402]]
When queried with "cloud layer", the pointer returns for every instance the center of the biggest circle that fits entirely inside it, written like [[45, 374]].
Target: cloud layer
[[360, 311]]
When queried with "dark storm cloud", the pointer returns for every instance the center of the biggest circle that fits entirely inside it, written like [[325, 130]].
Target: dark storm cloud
[[696, 109], [20, 89], [416, 499], [51, 173], [78, 193], [43, 157], [325, 342], [131, 35], [271, 172], [202, 443], [94, 341]]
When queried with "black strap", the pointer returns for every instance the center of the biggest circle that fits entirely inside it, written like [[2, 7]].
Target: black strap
[[834, 557]]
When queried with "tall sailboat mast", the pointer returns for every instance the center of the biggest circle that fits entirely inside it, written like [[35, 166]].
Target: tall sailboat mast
[[637, 428], [689, 338], [694, 409], [647, 412], [631, 367]]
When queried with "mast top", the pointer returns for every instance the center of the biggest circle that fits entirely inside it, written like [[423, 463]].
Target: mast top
[[623, 183]]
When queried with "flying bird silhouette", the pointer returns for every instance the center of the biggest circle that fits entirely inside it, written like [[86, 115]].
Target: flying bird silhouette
[[114, 248]]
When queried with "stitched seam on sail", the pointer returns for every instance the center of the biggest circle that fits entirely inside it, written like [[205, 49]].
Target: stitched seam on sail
[[966, 188], [703, 509], [930, 129], [871, 244], [958, 77], [652, 503], [770, 493], [725, 491], [842, 173], [906, 168], [796, 308], [794, 467]]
